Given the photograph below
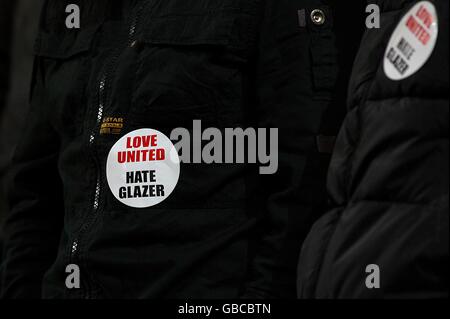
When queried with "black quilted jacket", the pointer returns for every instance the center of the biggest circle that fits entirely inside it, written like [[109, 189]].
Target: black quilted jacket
[[386, 235]]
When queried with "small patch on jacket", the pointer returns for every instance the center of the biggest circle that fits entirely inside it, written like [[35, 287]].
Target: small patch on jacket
[[111, 125]]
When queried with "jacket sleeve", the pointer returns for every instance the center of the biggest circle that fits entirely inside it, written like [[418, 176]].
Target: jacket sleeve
[[34, 223], [296, 74]]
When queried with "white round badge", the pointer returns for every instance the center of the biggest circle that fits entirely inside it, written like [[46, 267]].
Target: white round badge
[[412, 42], [143, 168]]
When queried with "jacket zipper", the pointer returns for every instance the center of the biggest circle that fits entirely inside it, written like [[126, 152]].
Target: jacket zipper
[[74, 254]]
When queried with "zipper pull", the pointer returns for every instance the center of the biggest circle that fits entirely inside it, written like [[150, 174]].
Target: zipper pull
[[74, 247]]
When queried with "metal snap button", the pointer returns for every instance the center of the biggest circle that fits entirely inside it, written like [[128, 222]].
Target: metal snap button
[[318, 17]]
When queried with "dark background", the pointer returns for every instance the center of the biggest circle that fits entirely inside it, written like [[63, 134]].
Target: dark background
[[18, 24]]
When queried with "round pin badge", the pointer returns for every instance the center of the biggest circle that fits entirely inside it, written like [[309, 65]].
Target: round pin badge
[[143, 168], [412, 42]]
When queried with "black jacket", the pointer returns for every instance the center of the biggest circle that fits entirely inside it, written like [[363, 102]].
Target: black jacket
[[388, 179], [225, 231]]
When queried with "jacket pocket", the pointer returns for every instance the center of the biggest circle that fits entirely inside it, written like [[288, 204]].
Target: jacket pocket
[[228, 29], [191, 66], [179, 253], [65, 59]]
